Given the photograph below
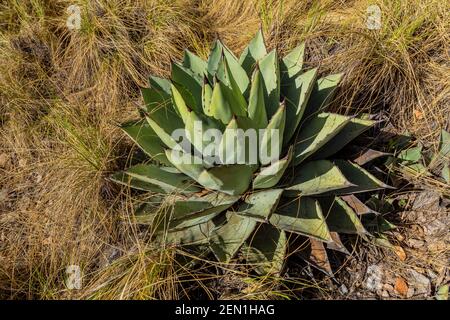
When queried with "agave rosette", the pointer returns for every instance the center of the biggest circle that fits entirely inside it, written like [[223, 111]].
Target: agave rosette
[[249, 207]]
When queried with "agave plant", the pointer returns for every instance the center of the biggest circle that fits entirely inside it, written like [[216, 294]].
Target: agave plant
[[251, 208]]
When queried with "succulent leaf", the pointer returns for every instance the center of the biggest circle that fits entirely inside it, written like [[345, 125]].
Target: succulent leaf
[[126, 180], [340, 217], [230, 148], [195, 235], [361, 179], [165, 178], [321, 95], [223, 104], [194, 63], [226, 240], [245, 190], [266, 249], [160, 84], [291, 65], [188, 164], [254, 52], [238, 74], [214, 59], [316, 133], [230, 179], [269, 176], [189, 84], [256, 105], [303, 216], [155, 99], [198, 210], [260, 205], [269, 148], [196, 124], [317, 177], [351, 130], [207, 92], [179, 104], [146, 138], [270, 73], [296, 93], [236, 93], [164, 127]]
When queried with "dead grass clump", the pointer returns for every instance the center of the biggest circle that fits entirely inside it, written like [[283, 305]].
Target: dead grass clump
[[142, 273], [235, 22], [54, 214], [126, 40], [390, 69], [60, 93]]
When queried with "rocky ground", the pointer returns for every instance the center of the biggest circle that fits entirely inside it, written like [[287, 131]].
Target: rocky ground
[[416, 268]]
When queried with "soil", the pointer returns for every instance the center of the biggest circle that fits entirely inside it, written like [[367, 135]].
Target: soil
[[416, 267]]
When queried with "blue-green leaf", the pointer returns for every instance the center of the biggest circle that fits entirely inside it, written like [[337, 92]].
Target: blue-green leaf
[[270, 72], [303, 216], [316, 177], [266, 249], [146, 138], [194, 63], [296, 93], [165, 178], [322, 93], [254, 52], [226, 240], [316, 133]]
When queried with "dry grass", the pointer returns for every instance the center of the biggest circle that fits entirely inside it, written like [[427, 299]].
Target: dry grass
[[62, 91]]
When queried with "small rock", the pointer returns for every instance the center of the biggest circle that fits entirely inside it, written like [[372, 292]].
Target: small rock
[[374, 276], [421, 284], [414, 243], [343, 289], [435, 228], [426, 200], [385, 294]]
